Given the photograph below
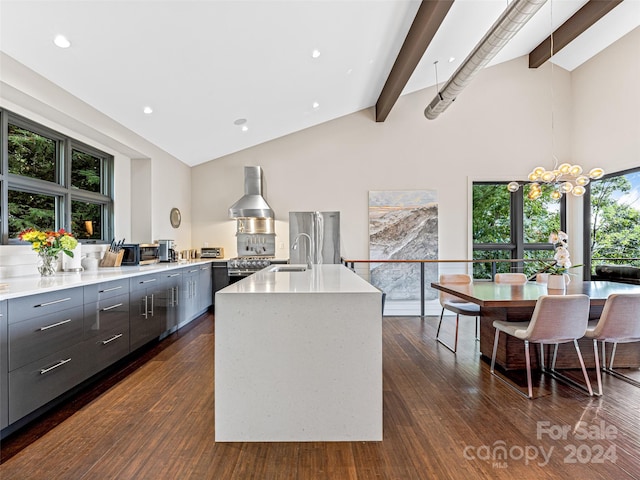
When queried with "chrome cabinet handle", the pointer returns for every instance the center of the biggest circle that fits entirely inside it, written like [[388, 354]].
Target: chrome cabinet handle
[[193, 271], [148, 281], [111, 307], [109, 340], [110, 289], [53, 303], [152, 304], [59, 364], [146, 307], [174, 275], [55, 325]]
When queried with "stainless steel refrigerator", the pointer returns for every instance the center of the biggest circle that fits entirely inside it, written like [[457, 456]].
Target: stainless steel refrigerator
[[314, 235]]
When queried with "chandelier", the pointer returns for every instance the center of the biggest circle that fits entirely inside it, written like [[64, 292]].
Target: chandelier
[[563, 179]]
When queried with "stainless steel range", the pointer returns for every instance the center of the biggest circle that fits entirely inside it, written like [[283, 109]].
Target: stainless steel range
[[245, 266]]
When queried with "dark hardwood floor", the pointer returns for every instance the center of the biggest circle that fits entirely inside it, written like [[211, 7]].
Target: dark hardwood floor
[[445, 416]]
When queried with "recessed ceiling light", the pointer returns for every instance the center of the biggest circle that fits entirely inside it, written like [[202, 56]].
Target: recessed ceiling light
[[147, 110], [240, 121], [452, 59], [316, 105], [315, 53], [244, 128], [61, 41]]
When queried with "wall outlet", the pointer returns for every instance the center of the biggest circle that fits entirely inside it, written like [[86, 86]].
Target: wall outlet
[[281, 246]]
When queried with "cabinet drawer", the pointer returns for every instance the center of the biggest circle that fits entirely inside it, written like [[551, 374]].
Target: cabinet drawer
[[35, 384], [145, 281], [44, 303], [106, 348], [104, 290], [38, 337], [106, 315]]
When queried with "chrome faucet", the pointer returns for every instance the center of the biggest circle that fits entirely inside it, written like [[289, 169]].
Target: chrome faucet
[[311, 247]]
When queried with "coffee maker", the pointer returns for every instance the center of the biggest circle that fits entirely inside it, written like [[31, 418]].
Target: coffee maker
[[167, 250]]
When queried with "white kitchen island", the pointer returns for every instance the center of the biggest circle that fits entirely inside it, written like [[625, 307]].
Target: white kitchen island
[[298, 357]]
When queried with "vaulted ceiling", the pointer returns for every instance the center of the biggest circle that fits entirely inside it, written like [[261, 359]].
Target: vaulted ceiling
[[222, 76]]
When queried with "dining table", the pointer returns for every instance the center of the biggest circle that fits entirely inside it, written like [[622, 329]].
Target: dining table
[[515, 303]]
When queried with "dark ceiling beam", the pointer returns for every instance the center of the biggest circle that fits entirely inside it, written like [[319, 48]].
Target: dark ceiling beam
[[430, 15], [589, 14]]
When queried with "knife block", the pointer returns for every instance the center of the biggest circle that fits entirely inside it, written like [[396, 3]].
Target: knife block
[[111, 259]]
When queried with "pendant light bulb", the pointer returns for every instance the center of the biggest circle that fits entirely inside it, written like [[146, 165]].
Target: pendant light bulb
[[575, 170], [513, 186], [578, 191], [596, 173], [564, 168], [582, 180], [566, 187]]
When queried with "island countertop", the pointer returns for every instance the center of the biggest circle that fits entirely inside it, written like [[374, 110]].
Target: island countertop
[[298, 357], [325, 278]]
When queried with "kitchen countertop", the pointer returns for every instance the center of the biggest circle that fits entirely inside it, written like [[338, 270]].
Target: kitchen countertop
[[325, 278], [34, 284]]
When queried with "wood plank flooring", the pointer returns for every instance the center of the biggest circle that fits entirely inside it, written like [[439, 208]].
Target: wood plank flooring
[[445, 417]]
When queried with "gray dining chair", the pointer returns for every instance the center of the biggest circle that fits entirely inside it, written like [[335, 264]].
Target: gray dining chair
[[456, 305], [618, 323], [556, 319]]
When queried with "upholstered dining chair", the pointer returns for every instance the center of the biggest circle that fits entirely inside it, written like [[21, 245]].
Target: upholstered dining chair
[[456, 305], [618, 323], [556, 319], [512, 278]]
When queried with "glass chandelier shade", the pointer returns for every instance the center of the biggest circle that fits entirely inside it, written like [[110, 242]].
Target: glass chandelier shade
[[564, 179]]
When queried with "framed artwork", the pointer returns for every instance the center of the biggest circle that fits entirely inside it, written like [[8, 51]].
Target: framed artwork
[[403, 225]]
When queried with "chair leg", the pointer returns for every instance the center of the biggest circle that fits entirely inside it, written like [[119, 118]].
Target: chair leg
[[438, 333], [615, 373], [555, 356], [528, 363], [439, 323], [584, 370], [613, 355], [455, 342], [598, 373], [477, 328], [495, 350]]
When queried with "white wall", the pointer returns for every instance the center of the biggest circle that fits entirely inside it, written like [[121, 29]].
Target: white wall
[[500, 126], [498, 129], [606, 103]]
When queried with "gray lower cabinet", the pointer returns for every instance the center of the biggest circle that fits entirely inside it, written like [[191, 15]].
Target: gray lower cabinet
[[51, 342], [189, 307], [106, 324], [205, 287], [170, 299], [45, 351], [147, 313], [4, 367]]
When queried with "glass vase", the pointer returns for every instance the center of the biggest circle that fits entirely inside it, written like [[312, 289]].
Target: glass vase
[[47, 264]]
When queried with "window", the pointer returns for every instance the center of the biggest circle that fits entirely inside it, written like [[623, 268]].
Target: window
[[509, 226], [51, 181], [612, 225]]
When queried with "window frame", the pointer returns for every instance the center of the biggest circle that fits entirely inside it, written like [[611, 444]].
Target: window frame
[[586, 220], [61, 189], [517, 246]]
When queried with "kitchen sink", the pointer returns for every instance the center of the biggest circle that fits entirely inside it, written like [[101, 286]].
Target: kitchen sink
[[288, 268]]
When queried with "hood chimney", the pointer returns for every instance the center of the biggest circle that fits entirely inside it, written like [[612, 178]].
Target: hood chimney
[[252, 204]]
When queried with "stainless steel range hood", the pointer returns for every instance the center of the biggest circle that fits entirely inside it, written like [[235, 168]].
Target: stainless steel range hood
[[252, 204]]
